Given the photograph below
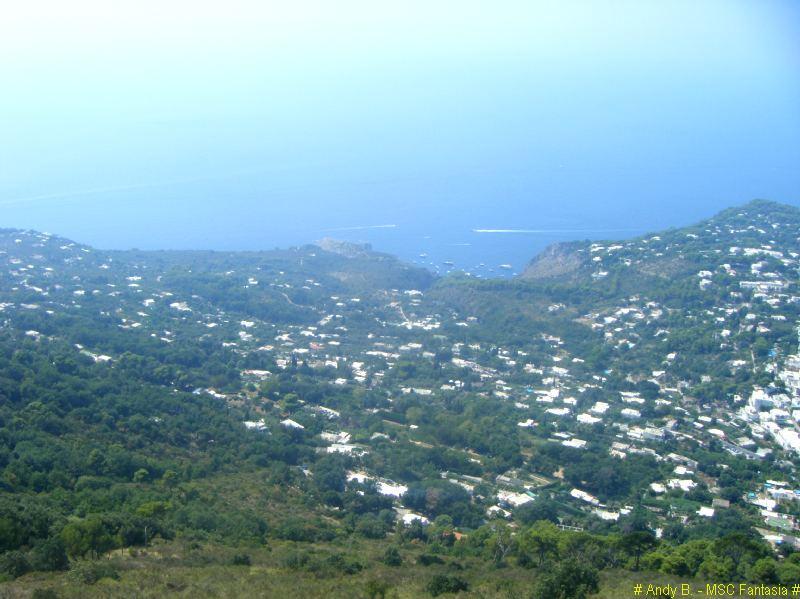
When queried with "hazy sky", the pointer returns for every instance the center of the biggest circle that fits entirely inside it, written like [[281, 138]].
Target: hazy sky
[[243, 124]]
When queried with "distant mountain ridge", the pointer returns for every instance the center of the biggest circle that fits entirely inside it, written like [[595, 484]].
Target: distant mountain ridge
[[570, 260]]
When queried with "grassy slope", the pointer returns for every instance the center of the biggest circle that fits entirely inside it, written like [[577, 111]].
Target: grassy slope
[[177, 570]]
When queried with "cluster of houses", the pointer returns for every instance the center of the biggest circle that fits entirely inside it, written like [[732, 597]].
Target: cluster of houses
[[556, 397]]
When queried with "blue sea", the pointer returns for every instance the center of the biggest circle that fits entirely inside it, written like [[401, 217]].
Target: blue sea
[[487, 225], [408, 127]]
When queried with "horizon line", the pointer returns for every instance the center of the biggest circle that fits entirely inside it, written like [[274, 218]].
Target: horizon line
[[544, 231]]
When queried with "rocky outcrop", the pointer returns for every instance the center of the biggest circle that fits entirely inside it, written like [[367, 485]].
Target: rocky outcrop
[[347, 249], [556, 260]]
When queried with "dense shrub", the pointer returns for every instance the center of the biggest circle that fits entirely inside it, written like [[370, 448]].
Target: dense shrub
[[90, 572], [392, 557], [241, 559], [441, 584]]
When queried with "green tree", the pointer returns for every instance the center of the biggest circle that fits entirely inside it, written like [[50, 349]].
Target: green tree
[[741, 550], [392, 557], [14, 564], [540, 540], [49, 555], [636, 543], [764, 570], [541, 509], [570, 579], [500, 543], [86, 537]]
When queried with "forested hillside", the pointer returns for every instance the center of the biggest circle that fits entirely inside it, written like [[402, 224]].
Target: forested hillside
[[186, 422]]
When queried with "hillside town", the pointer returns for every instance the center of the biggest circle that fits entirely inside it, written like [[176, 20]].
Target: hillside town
[[387, 370]]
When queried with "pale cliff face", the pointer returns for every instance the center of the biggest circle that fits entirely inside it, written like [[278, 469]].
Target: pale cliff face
[[556, 260], [344, 248]]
